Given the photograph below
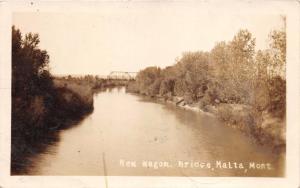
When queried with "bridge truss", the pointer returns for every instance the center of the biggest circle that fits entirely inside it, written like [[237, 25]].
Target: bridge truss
[[121, 75]]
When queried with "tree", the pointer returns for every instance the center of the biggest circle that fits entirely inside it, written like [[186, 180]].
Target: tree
[[219, 61], [146, 78], [241, 67], [192, 72], [278, 53], [30, 74], [262, 61]]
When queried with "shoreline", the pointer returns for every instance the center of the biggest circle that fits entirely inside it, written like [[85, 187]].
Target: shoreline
[[73, 101], [256, 131]]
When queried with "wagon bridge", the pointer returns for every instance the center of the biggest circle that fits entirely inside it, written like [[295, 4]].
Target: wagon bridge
[[121, 75]]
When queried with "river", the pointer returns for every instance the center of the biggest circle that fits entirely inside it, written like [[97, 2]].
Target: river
[[131, 135]]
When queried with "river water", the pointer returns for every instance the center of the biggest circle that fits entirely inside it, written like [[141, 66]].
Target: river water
[[132, 135]]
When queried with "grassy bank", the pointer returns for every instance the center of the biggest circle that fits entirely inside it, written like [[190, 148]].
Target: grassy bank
[[244, 88]]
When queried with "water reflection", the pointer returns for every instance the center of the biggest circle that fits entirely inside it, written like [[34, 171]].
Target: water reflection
[[133, 128]]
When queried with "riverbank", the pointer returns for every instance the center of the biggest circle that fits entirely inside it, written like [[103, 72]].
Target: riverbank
[[129, 127], [264, 128], [41, 106], [37, 121]]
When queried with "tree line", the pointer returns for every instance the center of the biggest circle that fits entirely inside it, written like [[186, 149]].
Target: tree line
[[232, 72]]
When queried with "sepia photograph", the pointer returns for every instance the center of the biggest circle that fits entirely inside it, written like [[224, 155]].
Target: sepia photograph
[[123, 93], [149, 89]]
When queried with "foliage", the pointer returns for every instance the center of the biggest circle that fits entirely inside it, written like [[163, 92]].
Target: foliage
[[232, 72], [38, 107], [30, 74], [146, 80], [278, 53]]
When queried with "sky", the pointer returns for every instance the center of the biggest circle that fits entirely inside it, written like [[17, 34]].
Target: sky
[[126, 38]]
